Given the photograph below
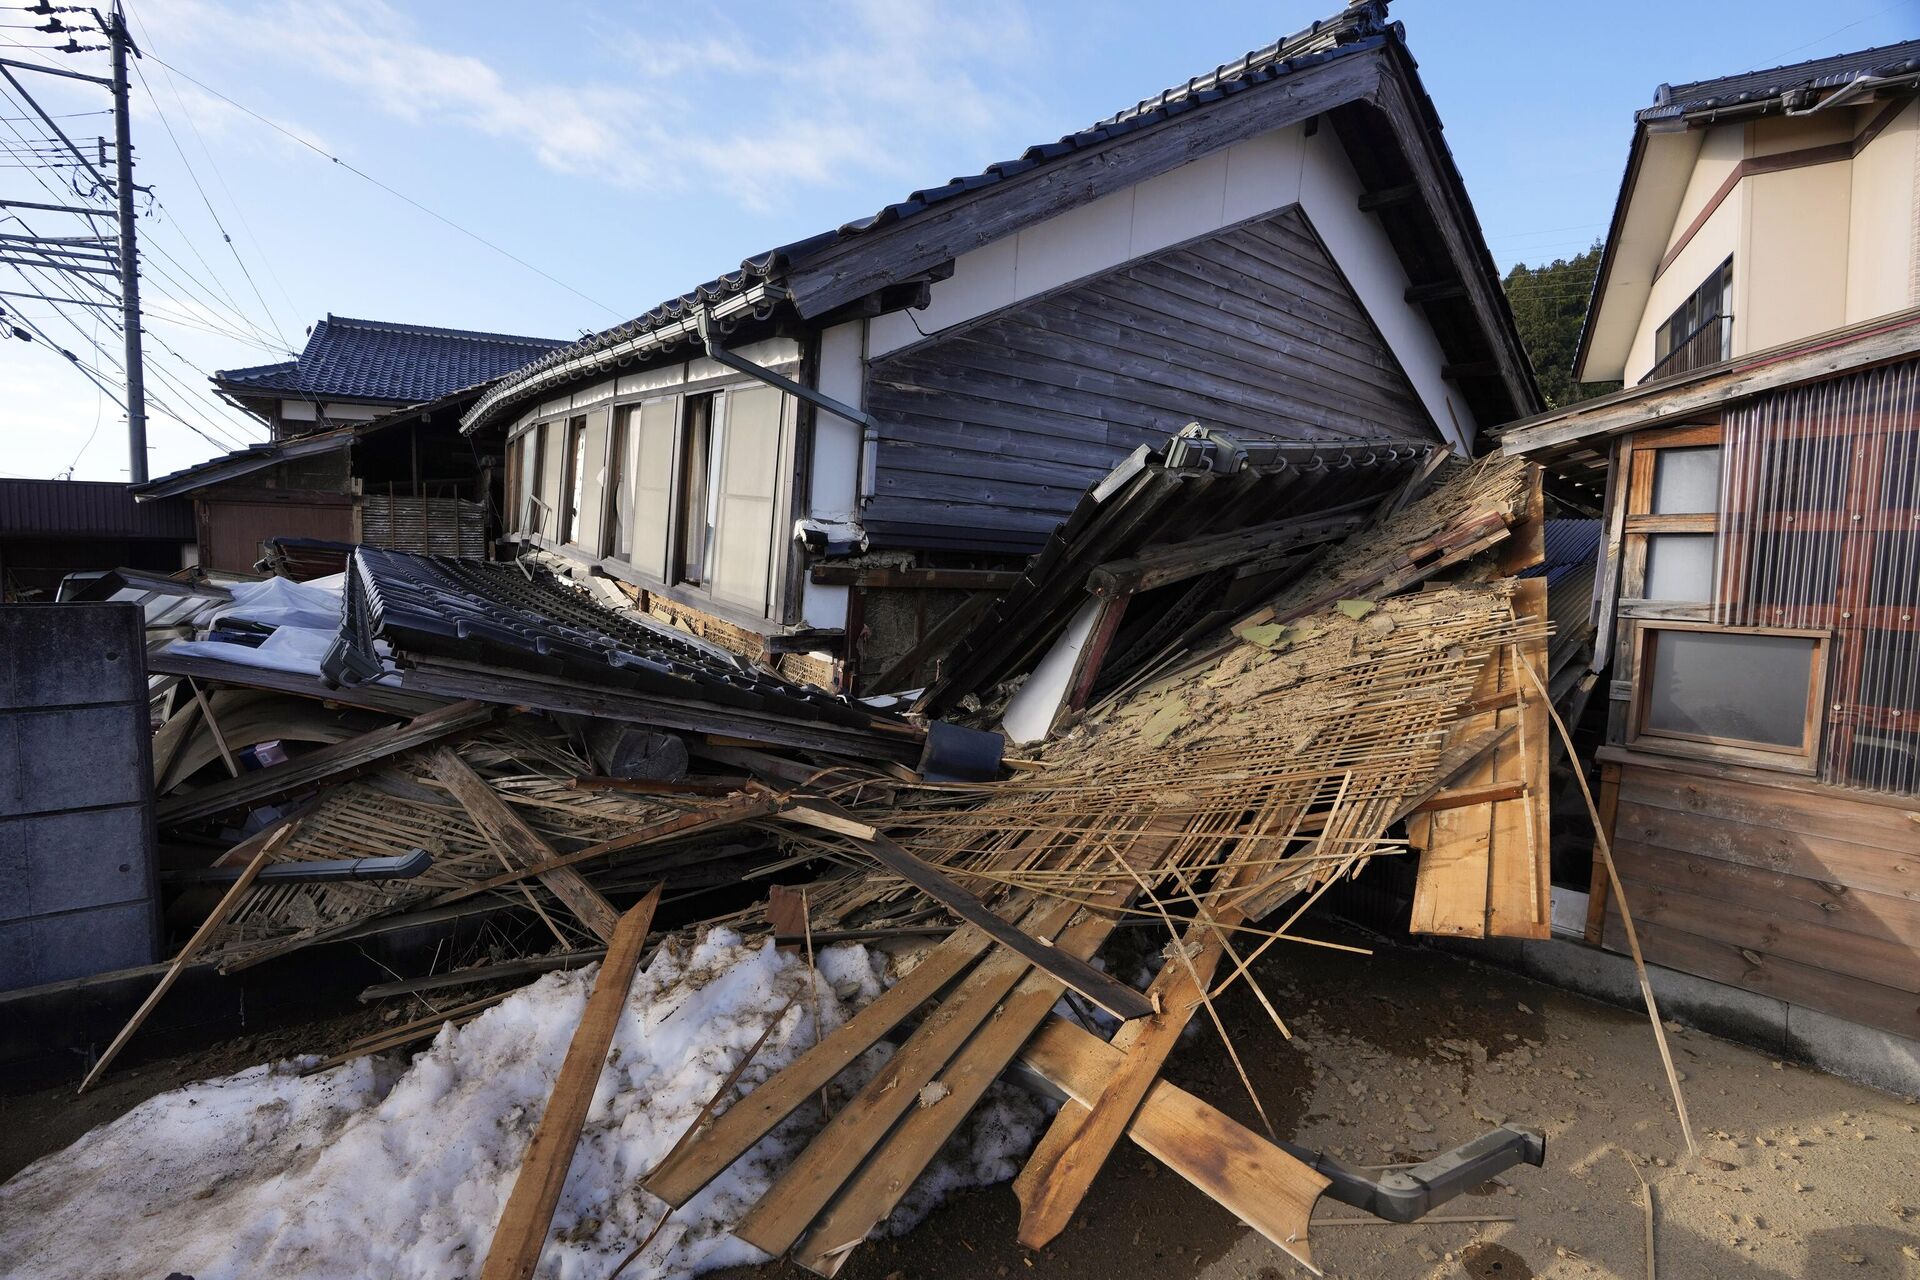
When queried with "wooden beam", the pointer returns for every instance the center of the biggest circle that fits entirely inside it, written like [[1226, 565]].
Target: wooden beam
[[1464, 796], [1688, 395], [213, 727], [1176, 562], [828, 574], [1116, 997], [327, 764], [863, 263], [519, 844], [1436, 291], [522, 1231], [1253, 1179], [693, 1164], [208, 927], [1387, 196]]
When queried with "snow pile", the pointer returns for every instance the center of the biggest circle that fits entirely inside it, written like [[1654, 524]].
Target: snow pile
[[375, 1170]]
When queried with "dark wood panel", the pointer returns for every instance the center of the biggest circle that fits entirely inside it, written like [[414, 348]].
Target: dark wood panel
[[1855, 999], [1775, 933], [1826, 903], [1768, 848], [1022, 409]]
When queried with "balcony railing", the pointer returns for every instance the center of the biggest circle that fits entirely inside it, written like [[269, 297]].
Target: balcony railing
[[1711, 343]]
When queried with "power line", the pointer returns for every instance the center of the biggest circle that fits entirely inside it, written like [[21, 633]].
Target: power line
[[398, 195]]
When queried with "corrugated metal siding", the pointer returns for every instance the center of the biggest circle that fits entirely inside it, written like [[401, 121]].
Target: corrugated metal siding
[[1820, 527], [991, 433], [88, 509]]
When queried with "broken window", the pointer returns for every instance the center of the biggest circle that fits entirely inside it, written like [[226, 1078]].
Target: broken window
[[702, 438], [573, 480]]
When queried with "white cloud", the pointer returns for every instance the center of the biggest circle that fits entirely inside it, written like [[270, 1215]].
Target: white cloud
[[880, 90]]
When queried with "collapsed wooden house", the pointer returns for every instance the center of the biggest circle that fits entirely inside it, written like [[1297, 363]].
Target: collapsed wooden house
[[1258, 751], [829, 449], [1759, 578]]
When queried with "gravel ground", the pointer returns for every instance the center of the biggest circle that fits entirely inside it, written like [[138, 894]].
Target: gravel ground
[[1394, 1057]]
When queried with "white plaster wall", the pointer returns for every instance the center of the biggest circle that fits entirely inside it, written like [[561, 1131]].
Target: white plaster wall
[[1882, 220], [1721, 151], [1253, 178], [1330, 194], [834, 479]]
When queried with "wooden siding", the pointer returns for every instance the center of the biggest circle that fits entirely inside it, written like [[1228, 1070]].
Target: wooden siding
[[1797, 891], [991, 431]]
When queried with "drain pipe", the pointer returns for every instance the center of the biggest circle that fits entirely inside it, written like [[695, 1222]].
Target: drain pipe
[[839, 409]]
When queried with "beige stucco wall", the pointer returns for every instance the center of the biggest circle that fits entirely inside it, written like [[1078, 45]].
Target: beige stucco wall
[[1883, 221], [1721, 150], [1814, 247]]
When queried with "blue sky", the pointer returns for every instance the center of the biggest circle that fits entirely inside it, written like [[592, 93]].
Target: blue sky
[[631, 150]]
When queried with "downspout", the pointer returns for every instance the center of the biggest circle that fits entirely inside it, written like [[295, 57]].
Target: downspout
[[870, 429], [1847, 93]]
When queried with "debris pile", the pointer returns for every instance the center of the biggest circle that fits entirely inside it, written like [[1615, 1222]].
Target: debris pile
[[1228, 714]]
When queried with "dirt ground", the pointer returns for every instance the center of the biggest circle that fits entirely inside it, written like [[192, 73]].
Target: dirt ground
[[1394, 1057]]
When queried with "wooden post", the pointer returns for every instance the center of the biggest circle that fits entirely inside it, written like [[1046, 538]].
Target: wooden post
[[522, 1232]]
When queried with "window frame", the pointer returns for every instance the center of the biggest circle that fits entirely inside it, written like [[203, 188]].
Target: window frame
[[614, 468], [1641, 523], [572, 479], [1664, 344], [1804, 759]]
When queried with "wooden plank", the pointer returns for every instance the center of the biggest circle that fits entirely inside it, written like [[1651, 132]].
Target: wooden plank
[[1076, 1145], [1461, 797], [908, 578], [1816, 943], [1519, 872], [521, 845], [1600, 884], [873, 1192], [326, 764], [1161, 565], [522, 1231], [1889, 917], [1854, 999], [682, 1175], [1451, 884], [680, 824], [1257, 1182], [208, 927], [1769, 848], [1115, 997], [810, 1182]]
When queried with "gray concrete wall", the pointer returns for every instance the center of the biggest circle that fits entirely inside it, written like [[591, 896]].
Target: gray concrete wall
[[1787, 1031], [76, 821]]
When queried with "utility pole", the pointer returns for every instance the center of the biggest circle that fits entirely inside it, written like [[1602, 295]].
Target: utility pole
[[129, 256]]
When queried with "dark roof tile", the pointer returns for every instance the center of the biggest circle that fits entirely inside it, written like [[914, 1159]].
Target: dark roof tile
[[1766, 84], [353, 359]]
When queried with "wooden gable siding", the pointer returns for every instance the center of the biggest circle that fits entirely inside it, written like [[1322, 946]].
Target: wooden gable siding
[[990, 432]]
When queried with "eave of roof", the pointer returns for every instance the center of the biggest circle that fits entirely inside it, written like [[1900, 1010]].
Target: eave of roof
[[1746, 93], [1824, 355]]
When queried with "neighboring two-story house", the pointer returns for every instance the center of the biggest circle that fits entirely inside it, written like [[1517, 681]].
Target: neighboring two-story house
[[1279, 248], [1758, 590], [366, 447]]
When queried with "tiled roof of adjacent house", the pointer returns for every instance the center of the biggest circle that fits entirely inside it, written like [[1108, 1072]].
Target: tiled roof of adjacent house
[[1749, 87], [349, 359]]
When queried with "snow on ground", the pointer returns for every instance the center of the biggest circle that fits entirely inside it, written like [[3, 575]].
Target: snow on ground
[[374, 1169]]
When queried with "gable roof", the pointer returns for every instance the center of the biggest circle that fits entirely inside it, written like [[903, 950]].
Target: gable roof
[[790, 277], [1759, 89], [351, 359], [1658, 145]]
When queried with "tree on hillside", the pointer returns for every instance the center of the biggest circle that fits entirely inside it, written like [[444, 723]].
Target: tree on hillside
[[1549, 305]]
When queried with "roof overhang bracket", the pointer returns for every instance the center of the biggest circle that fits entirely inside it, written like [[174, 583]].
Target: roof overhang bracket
[[839, 409]]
